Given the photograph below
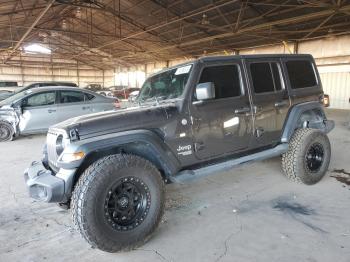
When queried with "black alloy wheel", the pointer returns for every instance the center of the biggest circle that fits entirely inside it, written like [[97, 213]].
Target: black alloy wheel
[[314, 157], [127, 203]]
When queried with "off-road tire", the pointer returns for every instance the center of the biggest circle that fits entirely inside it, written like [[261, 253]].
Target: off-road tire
[[294, 161], [88, 202], [6, 132]]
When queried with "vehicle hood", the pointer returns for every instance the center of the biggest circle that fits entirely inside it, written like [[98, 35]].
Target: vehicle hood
[[143, 117]]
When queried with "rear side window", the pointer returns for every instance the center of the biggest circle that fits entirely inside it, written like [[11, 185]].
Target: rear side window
[[301, 74], [89, 96], [72, 97], [266, 77], [225, 78]]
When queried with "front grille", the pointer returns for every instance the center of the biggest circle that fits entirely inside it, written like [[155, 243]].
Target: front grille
[[51, 149]]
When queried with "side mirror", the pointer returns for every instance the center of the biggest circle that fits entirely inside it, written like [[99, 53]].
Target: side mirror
[[205, 91], [18, 107]]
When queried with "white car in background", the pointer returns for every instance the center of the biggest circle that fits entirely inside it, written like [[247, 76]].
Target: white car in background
[[133, 95], [35, 110]]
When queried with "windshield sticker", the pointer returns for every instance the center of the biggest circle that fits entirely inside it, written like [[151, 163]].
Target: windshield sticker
[[183, 70]]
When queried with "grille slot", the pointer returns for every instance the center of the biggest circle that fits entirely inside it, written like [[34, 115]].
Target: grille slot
[[51, 150]]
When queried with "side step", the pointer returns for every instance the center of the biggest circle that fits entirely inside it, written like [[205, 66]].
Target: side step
[[189, 175]]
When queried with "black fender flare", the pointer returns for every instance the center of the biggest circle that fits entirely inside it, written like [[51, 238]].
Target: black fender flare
[[309, 114], [144, 143]]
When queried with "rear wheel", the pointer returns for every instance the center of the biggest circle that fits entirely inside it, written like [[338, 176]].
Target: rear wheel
[[6, 132], [118, 202], [308, 156]]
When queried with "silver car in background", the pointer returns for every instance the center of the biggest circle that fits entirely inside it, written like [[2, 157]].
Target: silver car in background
[[34, 111]]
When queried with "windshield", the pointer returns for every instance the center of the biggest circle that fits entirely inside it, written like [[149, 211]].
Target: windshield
[[14, 98], [166, 85]]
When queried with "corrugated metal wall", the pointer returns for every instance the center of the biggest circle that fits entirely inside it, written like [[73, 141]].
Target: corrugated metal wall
[[337, 86], [81, 76], [332, 56]]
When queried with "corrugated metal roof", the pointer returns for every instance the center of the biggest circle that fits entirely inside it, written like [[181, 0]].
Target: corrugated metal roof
[[103, 33]]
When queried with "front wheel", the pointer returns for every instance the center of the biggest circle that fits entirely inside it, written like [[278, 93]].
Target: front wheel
[[118, 202], [308, 156], [6, 132]]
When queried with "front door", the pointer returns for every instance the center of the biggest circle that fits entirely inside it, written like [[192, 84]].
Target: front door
[[222, 125], [270, 99], [39, 112]]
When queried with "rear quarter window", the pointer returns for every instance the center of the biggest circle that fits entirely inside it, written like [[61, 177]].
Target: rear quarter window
[[301, 74], [88, 97]]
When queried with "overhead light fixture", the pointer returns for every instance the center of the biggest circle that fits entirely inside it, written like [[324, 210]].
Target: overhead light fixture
[[64, 24], [37, 49], [78, 12], [205, 20]]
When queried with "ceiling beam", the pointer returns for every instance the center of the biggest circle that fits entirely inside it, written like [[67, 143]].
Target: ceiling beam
[[260, 26], [43, 12], [158, 26]]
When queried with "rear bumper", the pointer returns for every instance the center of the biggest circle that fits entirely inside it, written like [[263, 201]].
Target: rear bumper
[[45, 186]]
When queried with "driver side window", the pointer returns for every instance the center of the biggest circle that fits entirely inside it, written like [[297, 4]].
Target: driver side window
[[226, 79], [41, 99]]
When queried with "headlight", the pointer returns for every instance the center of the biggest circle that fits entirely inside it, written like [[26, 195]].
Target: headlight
[[61, 143]]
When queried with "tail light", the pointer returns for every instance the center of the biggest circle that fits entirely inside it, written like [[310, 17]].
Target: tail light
[[324, 99], [117, 104]]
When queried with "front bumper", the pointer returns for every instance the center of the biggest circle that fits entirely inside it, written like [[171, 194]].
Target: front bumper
[[43, 185]]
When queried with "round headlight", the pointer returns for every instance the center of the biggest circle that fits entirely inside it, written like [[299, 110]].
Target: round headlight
[[59, 145]]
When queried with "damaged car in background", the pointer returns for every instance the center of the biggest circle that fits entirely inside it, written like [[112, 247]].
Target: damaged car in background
[[34, 111]]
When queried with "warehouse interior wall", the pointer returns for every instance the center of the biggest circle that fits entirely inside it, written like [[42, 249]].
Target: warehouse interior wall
[[332, 56], [40, 69]]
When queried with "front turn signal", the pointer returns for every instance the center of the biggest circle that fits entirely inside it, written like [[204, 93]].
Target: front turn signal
[[71, 157]]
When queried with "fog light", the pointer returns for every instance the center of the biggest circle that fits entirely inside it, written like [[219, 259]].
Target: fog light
[[70, 157], [42, 193], [38, 192]]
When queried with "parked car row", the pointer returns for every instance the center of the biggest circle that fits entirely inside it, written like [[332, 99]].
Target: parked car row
[[8, 88], [121, 92], [35, 110], [6, 91]]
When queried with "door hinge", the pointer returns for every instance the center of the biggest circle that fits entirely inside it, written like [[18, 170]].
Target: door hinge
[[198, 146]]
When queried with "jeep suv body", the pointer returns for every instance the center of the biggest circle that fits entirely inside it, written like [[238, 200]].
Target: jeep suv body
[[190, 120]]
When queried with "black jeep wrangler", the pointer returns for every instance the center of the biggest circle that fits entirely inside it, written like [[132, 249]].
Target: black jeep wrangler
[[191, 120]]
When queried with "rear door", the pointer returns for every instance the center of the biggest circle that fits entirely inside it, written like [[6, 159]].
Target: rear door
[[39, 112], [222, 125], [303, 80], [99, 104], [72, 104], [270, 99]]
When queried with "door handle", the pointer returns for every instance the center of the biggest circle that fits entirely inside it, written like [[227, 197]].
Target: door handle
[[51, 111], [86, 107], [242, 110], [281, 104]]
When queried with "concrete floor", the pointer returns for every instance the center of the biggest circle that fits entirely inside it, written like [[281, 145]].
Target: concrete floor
[[251, 213]]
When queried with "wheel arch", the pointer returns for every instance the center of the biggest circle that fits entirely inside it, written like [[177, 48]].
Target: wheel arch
[[143, 143], [306, 115]]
